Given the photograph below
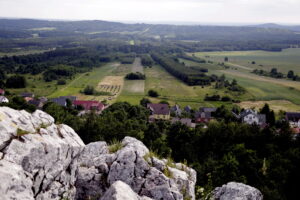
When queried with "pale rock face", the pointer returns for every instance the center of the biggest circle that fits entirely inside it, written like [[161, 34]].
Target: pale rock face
[[236, 191], [100, 170], [49, 161], [41, 164], [121, 191]]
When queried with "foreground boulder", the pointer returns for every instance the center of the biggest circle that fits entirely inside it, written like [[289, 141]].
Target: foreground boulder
[[42, 160], [236, 191], [100, 166]]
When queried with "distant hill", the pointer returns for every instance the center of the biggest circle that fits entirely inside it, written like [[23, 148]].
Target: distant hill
[[278, 26], [181, 32]]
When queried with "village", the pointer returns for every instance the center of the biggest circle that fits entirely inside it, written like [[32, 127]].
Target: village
[[160, 111]]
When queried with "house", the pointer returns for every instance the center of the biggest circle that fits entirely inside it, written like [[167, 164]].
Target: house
[[89, 105], [62, 100], [186, 121], [205, 114], [2, 92], [208, 109], [203, 117], [43, 99], [250, 116], [3, 99], [37, 103], [159, 111], [293, 118], [176, 110], [27, 94], [187, 109]]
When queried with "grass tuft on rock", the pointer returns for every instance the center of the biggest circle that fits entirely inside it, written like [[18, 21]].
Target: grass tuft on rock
[[114, 146]]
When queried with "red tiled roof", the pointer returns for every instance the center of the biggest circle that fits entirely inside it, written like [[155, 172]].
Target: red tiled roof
[[159, 109], [89, 105]]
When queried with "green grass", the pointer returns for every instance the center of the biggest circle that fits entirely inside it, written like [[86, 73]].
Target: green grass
[[82, 80], [114, 146], [284, 61], [172, 90]]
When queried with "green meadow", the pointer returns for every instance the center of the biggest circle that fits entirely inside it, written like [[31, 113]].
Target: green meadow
[[288, 59], [279, 93]]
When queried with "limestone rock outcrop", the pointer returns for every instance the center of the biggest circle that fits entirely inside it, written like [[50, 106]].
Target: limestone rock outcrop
[[133, 165], [39, 158], [42, 160], [236, 191]]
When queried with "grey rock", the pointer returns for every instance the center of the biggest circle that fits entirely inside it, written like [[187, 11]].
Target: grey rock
[[236, 191], [50, 161], [132, 165], [43, 161]]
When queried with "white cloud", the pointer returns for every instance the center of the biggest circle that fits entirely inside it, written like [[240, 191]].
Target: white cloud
[[245, 11]]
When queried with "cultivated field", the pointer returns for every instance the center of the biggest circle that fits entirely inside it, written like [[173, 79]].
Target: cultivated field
[[275, 105], [261, 88], [82, 80], [288, 59], [137, 66], [134, 90]]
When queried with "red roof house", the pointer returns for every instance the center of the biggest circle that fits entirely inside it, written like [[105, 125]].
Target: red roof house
[[2, 92], [89, 105]]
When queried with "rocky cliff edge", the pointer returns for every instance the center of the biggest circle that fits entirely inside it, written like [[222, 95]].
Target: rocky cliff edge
[[43, 160]]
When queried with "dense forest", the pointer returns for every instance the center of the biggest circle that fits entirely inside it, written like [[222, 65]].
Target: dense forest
[[52, 34]]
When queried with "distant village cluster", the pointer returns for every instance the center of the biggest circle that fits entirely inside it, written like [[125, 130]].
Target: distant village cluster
[[205, 114], [160, 111], [82, 105]]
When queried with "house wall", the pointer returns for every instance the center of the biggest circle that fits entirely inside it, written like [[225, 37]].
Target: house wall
[[165, 117], [251, 119]]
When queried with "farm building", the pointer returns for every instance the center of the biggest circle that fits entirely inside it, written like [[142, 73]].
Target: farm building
[[176, 110], [2, 92], [37, 102], [159, 111], [89, 105], [186, 121], [250, 116], [27, 94], [188, 109], [293, 118], [203, 117], [3, 99], [62, 100]]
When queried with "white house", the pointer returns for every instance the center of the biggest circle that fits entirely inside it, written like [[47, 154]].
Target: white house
[[3, 99], [252, 117]]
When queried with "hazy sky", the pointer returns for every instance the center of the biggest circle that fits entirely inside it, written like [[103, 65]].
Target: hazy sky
[[202, 11]]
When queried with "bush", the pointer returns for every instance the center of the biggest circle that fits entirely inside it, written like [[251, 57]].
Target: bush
[[89, 90], [16, 82], [226, 98], [144, 102], [153, 93], [135, 76], [61, 82], [212, 98]]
